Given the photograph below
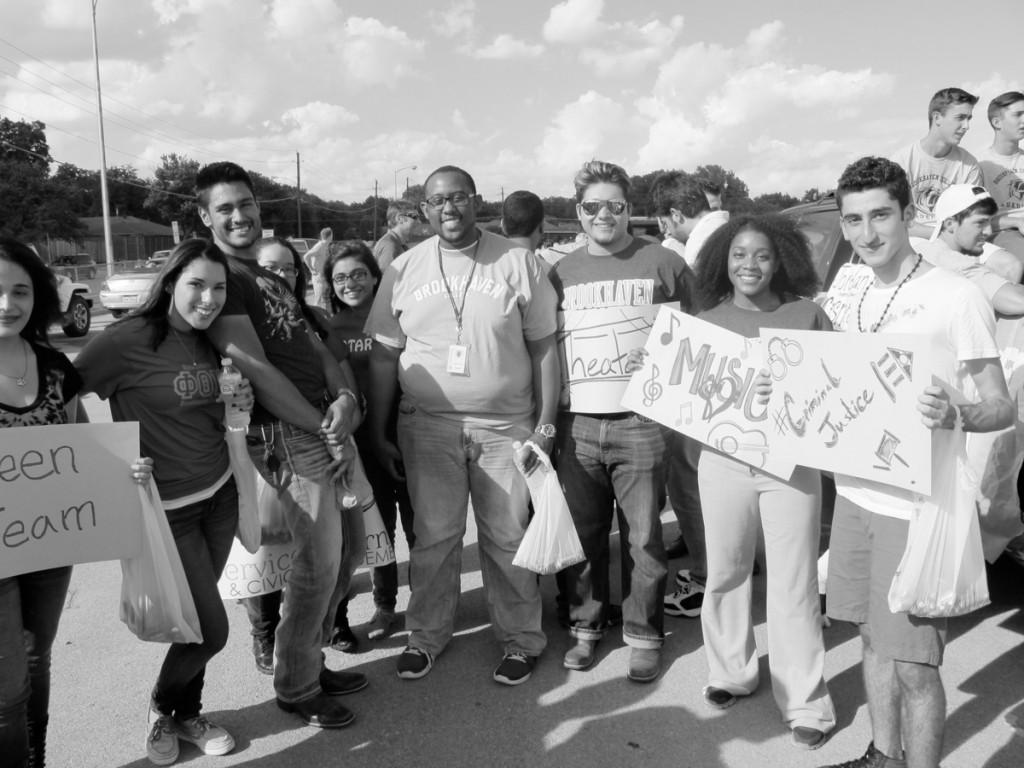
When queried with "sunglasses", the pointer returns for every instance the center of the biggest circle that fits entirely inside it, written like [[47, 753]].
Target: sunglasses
[[593, 207]]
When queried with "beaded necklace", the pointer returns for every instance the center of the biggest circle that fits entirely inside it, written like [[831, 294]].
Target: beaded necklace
[[888, 304]]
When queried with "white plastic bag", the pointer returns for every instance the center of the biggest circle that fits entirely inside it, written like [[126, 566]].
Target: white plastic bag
[[550, 543], [248, 531], [942, 572], [156, 602]]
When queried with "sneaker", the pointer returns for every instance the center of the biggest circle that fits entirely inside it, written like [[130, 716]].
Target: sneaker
[[806, 737], [581, 655], [685, 601], [718, 698], [515, 668], [162, 742], [873, 758], [209, 737], [414, 663], [343, 639], [644, 664], [382, 624], [263, 653], [682, 577]]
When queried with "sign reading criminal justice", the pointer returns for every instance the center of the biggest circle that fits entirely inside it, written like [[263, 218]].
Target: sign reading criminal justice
[[848, 403], [66, 495]]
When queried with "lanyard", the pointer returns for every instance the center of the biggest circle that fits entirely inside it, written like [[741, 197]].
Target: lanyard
[[462, 305]]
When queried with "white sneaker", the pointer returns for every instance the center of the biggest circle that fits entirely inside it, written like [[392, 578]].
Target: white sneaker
[[209, 737], [162, 742]]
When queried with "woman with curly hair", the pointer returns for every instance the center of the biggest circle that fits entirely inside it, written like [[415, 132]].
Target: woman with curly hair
[[756, 272]]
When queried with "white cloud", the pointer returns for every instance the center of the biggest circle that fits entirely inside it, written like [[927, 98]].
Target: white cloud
[[66, 14], [291, 21], [578, 131], [508, 47], [455, 21], [574, 21], [374, 54]]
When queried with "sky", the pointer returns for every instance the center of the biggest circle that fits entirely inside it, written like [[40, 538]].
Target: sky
[[520, 94]]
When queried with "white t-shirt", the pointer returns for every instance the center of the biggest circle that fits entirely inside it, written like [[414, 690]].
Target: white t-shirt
[[508, 302], [701, 232], [953, 313], [930, 176], [1004, 178]]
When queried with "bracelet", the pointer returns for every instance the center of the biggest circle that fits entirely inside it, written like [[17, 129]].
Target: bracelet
[[346, 391], [958, 418]]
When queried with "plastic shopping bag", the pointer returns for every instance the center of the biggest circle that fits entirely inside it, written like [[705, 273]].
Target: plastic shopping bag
[[550, 542], [273, 522], [942, 572], [156, 602], [248, 531]]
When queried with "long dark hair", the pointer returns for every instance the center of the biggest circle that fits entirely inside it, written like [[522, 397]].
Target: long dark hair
[[45, 300], [157, 307], [794, 277], [300, 280], [355, 249]]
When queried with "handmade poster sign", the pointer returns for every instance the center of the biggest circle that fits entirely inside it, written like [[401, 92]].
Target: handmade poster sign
[[848, 286], [66, 495], [699, 380], [849, 403], [593, 344], [249, 575]]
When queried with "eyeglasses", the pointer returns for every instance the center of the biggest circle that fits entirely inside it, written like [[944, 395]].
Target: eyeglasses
[[281, 270], [593, 207], [356, 276], [458, 199]]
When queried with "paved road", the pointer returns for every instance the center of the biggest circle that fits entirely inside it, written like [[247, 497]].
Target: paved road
[[457, 716]]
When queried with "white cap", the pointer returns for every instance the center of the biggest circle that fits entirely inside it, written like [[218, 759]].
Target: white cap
[[956, 199]]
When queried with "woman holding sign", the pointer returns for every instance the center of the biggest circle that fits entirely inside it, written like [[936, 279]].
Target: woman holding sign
[[751, 274], [158, 368], [38, 386]]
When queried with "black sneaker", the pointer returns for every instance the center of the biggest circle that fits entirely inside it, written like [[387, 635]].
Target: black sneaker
[[686, 601], [873, 758], [343, 639], [515, 668], [414, 663], [718, 698], [806, 737]]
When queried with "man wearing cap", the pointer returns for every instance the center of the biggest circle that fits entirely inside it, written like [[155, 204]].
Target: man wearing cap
[[963, 215], [937, 161], [1003, 167]]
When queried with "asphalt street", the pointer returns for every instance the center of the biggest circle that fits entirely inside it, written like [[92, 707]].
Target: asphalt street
[[458, 716]]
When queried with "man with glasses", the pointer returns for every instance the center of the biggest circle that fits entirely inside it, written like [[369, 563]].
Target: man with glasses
[[464, 322], [404, 225], [617, 456]]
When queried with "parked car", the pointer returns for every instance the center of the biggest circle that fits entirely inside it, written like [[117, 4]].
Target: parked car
[[124, 291], [75, 306], [77, 266]]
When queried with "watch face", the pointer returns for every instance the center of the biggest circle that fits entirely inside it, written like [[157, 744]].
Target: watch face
[[546, 430]]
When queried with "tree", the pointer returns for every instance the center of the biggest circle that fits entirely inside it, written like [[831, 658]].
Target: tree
[[414, 194], [171, 196], [773, 202], [735, 194], [812, 195], [33, 206], [126, 189]]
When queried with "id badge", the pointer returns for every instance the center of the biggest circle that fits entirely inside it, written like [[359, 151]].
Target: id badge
[[458, 360]]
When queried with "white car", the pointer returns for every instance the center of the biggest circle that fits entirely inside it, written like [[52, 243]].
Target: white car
[[75, 306]]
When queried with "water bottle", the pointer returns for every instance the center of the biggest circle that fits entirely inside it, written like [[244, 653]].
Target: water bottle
[[230, 379]]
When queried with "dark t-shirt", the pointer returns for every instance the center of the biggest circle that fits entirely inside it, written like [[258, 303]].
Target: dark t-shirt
[[346, 331], [641, 273], [59, 382], [793, 314], [275, 315], [172, 392]]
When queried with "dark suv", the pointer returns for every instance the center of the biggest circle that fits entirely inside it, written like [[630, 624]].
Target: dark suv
[[819, 221]]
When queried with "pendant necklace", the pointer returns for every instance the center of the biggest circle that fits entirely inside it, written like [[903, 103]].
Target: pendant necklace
[[888, 304], [195, 345], [20, 380]]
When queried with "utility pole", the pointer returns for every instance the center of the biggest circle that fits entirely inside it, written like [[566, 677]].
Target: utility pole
[[298, 195], [108, 239], [375, 209]]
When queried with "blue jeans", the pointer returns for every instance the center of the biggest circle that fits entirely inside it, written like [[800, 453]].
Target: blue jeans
[[330, 543], [600, 460], [446, 464], [203, 533], [30, 608]]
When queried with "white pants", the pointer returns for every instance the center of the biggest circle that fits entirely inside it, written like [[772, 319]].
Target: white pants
[[735, 500]]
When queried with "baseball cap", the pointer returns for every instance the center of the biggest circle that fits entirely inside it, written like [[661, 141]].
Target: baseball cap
[[955, 199]]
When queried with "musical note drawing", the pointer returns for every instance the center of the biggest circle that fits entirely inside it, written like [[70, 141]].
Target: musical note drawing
[[747, 446], [688, 407], [666, 337], [652, 388]]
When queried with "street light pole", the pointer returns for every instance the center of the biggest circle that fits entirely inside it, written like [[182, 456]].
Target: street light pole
[[403, 168], [104, 196]]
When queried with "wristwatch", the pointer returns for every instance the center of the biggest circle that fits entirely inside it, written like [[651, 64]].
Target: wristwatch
[[546, 430]]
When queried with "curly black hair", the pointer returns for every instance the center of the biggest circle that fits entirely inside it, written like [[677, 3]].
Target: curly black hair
[[795, 276]]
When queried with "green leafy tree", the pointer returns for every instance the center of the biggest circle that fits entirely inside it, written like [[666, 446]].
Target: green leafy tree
[[773, 202], [172, 194]]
